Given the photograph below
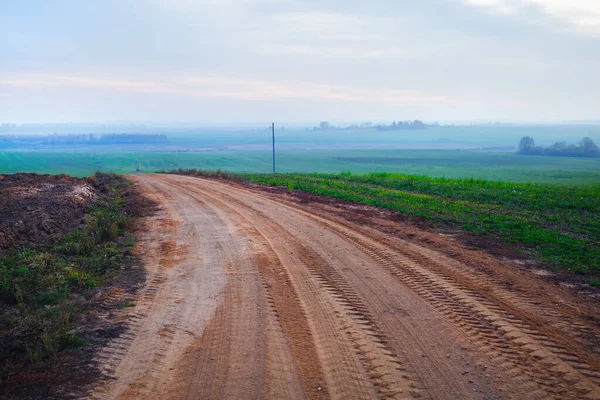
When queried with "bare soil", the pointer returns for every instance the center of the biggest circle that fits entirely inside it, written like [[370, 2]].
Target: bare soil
[[34, 208], [253, 294]]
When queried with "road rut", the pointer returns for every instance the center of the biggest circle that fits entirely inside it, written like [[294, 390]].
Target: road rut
[[251, 295]]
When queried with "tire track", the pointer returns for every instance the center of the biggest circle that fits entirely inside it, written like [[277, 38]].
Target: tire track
[[490, 324], [496, 294], [385, 371], [286, 310], [551, 369], [166, 311], [434, 373]]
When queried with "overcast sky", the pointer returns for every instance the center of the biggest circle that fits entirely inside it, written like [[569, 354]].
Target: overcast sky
[[299, 60]]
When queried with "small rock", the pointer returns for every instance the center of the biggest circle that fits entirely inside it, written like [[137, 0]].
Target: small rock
[[463, 348], [319, 388], [468, 362], [466, 372], [447, 355]]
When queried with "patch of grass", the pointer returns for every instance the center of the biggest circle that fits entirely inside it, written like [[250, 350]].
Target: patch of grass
[[72, 341], [127, 304], [49, 298], [560, 224], [38, 284]]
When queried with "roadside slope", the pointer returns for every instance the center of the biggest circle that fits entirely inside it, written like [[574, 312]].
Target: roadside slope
[[250, 295]]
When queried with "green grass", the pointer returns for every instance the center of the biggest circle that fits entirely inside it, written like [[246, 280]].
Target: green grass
[[127, 304], [594, 282], [560, 224], [439, 163], [39, 284]]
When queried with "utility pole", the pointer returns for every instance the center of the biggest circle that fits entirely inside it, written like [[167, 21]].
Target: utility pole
[[273, 130]]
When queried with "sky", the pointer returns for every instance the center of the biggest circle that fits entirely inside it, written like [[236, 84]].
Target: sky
[[235, 61]]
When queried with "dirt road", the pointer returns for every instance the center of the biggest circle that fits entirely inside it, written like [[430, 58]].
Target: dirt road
[[251, 295]]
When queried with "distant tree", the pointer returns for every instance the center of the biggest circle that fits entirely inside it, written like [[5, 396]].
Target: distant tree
[[585, 148], [325, 125], [588, 147], [418, 124], [526, 144], [560, 146]]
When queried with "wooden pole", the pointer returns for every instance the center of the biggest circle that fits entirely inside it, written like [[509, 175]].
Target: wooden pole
[[273, 130]]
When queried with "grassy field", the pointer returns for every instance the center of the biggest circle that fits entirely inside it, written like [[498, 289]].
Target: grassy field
[[438, 163], [561, 225]]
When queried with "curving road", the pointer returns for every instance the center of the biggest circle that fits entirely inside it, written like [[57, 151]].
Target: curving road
[[251, 295]]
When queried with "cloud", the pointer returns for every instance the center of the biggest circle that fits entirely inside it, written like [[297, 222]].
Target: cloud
[[48, 81], [304, 58], [329, 37], [233, 88], [286, 30], [351, 53], [582, 15]]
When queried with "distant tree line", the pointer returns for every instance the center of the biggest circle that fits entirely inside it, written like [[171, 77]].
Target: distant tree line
[[88, 139], [403, 125], [394, 126], [585, 148], [132, 139]]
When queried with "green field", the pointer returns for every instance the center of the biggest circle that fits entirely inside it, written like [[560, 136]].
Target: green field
[[558, 224], [436, 163]]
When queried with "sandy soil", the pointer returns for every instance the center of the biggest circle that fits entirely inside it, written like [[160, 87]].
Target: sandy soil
[[251, 295]]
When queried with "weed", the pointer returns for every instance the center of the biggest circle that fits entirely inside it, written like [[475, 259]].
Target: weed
[[71, 341], [49, 297], [127, 304]]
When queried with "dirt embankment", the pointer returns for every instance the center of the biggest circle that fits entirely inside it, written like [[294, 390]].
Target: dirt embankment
[[257, 295], [56, 298], [33, 208]]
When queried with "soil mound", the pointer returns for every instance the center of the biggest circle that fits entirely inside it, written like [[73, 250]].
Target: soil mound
[[34, 208]]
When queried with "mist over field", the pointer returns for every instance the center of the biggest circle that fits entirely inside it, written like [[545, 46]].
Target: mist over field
[[488, 137], [475, 151]]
